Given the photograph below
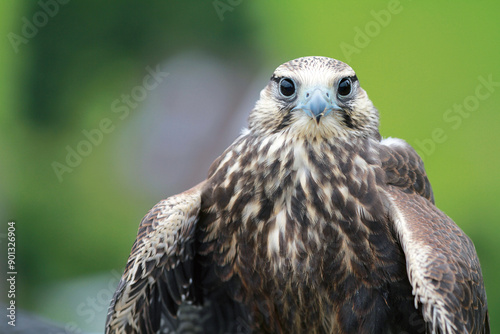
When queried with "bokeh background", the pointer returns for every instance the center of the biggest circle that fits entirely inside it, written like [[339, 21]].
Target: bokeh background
[[108, 107]]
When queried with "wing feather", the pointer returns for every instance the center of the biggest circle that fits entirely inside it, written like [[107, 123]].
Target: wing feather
[[442, 264], [158, 276]]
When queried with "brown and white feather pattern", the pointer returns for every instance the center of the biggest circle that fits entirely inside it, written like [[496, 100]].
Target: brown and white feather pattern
[[308, 223], [442, 265], [162, 252], [307, 227]]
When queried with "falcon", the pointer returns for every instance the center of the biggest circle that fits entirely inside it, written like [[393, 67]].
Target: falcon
[[309, 222]]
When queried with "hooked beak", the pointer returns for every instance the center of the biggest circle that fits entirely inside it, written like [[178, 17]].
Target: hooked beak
[[317, 103]]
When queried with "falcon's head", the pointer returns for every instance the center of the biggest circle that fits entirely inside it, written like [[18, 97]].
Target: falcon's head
[[315, 97]]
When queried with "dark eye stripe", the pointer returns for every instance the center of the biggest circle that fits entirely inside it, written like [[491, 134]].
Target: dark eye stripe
[[275, 78], [354, 78]]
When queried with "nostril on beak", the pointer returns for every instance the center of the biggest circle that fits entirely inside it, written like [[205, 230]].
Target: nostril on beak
[[317, 103]]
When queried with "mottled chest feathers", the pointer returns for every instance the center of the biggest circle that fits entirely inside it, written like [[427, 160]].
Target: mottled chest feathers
[[286, 211]]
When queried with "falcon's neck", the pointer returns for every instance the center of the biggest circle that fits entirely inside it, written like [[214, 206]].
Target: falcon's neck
[[279, 154]]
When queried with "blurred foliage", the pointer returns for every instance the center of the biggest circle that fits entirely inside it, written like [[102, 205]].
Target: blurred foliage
[[416, 65]]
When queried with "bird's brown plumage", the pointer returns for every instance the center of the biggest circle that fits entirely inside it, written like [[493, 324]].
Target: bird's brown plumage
[[308, 223]]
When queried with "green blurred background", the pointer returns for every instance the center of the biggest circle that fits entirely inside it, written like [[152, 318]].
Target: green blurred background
[[421, 62]]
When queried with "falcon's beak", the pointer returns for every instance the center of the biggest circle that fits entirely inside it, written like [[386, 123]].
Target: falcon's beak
[[317, 103]]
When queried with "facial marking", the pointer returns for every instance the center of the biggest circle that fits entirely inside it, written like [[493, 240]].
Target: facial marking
[[315, 97]]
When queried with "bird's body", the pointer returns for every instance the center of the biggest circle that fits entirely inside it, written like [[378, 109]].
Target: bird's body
[[307, 223], [311, 241]]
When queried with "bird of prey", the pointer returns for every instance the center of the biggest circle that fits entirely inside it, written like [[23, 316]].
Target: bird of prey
[[309, 222]]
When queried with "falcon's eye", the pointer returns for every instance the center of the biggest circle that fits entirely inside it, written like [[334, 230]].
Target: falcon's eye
[[344, 88], [287, 87]]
